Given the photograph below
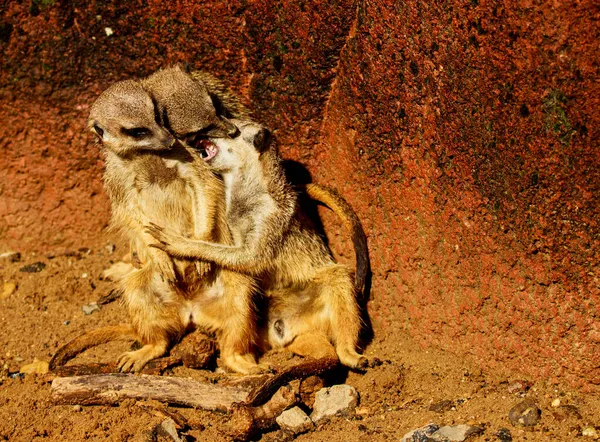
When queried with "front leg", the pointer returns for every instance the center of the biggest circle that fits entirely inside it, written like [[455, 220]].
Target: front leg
[[239, 258]]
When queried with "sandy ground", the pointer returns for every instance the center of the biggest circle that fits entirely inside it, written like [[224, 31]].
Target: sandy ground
[[45, 312]]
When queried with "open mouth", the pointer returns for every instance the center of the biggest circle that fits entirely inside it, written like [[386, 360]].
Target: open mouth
[[207, 149]]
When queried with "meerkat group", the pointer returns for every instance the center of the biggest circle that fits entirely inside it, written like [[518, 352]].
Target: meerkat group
[[200, 191]]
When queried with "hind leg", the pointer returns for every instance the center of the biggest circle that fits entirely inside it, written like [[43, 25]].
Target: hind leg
[[232, 315], [151, 303], [339, 309], [311, 344]]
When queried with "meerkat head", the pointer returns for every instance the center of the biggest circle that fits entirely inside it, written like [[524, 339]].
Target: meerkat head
[[125, 120], [224, 154], [186, 107]]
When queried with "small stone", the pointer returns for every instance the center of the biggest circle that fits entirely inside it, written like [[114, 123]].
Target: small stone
[[442, 406], [295, 420], [504, 435], [77, 408], [110, 248], [339, 399], [589, 432], [36, 367], [90, 308], [84, 275], [108, 32], [33, 268], [168, 428], [519, 387], [422, 434], [525, 413], [10, 256], [556, 402], [8, 289], [363, 411], [456, 433]]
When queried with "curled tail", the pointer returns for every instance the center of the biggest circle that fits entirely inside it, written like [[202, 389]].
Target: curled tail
[[332, 199], [91, 339]]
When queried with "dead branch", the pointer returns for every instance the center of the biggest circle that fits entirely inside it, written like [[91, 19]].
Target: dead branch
[[105, 389], [102, 389], [247, 421], [308, 367]]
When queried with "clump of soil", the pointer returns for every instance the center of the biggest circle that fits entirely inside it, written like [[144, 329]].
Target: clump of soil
[[408, 389]]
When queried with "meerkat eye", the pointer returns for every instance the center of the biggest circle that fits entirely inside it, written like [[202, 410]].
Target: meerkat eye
[[137, 132], [98, 130]]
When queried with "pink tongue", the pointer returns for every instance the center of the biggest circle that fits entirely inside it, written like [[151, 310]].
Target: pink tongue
[[210, 149]]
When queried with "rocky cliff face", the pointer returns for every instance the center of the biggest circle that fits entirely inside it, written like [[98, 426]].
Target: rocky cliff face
[[465, 134]]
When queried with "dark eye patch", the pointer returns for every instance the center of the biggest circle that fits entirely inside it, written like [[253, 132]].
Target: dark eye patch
[[136, 132], [98, 130]]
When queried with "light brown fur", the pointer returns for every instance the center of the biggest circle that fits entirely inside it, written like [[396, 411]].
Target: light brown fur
[[309, 294], [150, 178]]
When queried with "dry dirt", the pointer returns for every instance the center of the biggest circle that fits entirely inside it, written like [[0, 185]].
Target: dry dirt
[[45, 312]]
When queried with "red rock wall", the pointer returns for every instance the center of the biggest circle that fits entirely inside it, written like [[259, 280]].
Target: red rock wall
[[465, 133]]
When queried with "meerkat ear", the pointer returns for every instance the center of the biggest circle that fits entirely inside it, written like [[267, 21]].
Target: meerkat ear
[[262, 139]]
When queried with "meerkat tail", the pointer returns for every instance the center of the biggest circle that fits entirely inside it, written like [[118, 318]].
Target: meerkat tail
[[332, 199], [91, 339]]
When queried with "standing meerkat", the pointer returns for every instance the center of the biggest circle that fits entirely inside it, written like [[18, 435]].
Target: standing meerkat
[[312, 299], [151, 178]]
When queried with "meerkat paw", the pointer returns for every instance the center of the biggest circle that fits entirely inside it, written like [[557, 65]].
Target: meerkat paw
[[134, 361], [352, 359], [168, 242], [164, 265], [244, 364], [202, 268], [131, 362]]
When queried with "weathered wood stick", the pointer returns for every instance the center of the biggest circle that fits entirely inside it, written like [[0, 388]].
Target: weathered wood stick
[[308, 367], [106, 389], [247, 421]]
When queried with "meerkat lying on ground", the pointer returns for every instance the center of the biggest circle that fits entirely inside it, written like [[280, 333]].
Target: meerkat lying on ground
[[151, 178], [312, 299]]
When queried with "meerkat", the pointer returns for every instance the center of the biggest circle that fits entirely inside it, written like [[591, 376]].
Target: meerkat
[[151, 178], [312, 299]]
